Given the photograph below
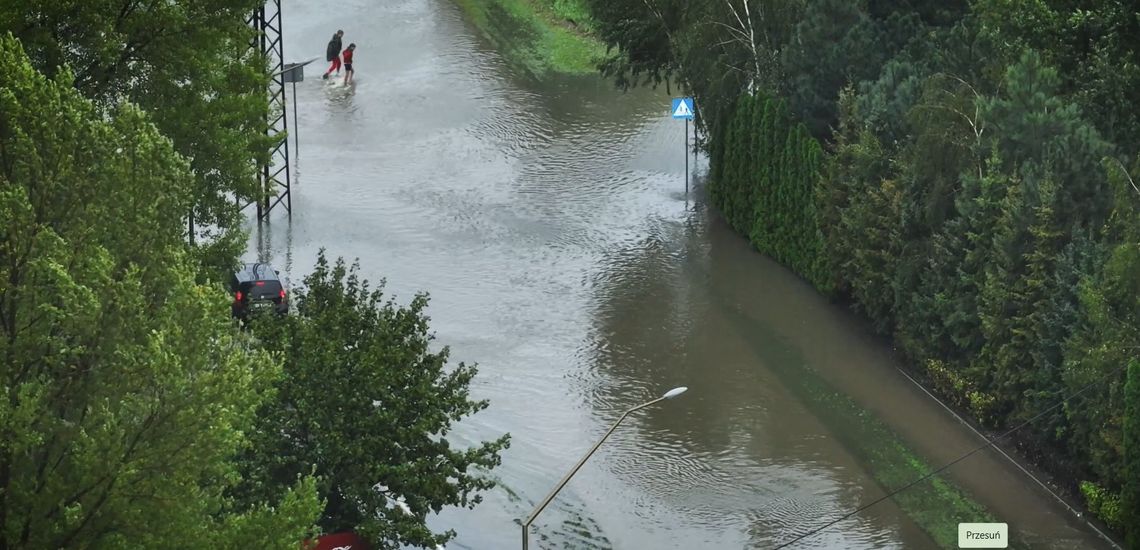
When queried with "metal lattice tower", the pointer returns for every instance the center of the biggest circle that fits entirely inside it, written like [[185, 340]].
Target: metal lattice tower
[[273, 177]]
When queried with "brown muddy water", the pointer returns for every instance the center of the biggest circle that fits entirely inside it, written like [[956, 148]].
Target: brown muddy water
[[549, 222]]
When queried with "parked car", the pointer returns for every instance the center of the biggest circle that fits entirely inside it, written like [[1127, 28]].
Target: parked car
[[256, 288]]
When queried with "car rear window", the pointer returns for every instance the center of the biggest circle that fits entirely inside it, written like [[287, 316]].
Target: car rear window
[[262, 289]]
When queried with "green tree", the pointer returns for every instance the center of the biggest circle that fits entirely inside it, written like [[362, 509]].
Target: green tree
[[979, 251], [1106, 339], [1093, 45], [366, 405], [938, 305], [713, 50], [1130, 499], [188, 64], [767, 184], [1014, 307], [931, 12], [1060, 319], [833, 44], [872, 229], [125, 392], [964, 205], [729, 185], [1038, 132], [883, 103], [642, 34]]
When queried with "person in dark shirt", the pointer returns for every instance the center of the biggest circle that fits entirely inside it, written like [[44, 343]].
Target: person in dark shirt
[[333, 54], [348, 63]]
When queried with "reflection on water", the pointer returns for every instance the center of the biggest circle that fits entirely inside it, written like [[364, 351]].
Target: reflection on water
[[737, 439], [549, 222]]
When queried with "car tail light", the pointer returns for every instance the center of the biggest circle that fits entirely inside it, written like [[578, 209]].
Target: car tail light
[[237, 296], [283, 294]]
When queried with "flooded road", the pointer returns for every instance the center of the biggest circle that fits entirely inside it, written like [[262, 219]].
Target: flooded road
[[550, 225]]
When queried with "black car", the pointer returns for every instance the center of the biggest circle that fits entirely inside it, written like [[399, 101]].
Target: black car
[[256, 288]]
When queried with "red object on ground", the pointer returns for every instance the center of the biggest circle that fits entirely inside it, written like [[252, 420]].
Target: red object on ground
[[338, 541]]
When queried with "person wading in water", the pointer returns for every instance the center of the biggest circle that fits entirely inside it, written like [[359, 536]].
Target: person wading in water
[[348, 64], [333, 54]]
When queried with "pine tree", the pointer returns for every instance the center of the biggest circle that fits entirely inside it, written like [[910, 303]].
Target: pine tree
[[1038, 132], [729, 182], [1062, 315], [742, 209], [1106, 339], [1019, 282]]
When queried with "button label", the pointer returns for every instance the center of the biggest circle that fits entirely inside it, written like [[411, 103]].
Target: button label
[[983, 535]]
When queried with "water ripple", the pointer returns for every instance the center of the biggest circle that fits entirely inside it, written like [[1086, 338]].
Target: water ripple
[[549, 223]]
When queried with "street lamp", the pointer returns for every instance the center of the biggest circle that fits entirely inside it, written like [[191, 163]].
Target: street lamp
[[530, 519]]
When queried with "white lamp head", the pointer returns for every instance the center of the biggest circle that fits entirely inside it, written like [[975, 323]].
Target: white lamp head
[[674, 392]]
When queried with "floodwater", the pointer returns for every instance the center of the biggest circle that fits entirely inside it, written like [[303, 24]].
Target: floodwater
[[549, 222]]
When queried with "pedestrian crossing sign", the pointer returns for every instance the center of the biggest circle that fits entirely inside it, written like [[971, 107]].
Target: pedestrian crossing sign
[[683, 108]]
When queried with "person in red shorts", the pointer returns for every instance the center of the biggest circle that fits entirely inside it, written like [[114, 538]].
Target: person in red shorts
[[333, 54], [348, 63]]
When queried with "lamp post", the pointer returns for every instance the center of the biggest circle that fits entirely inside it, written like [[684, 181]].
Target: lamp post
[[530, 519]]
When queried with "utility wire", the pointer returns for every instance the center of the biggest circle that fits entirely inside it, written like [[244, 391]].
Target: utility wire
[[1017, 464], [988, 443]]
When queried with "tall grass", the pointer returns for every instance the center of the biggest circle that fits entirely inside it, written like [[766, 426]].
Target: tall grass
[[542, 36]]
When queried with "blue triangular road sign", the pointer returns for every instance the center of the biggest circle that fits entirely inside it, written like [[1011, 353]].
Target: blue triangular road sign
[[683, 107]]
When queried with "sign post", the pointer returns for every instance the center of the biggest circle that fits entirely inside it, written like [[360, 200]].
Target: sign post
[[294, 73], [683, 109]]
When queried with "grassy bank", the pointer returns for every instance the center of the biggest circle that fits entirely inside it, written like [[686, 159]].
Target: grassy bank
[[541, 36], [936, 505]]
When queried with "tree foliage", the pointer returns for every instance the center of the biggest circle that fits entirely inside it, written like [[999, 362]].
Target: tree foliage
[[183, 62], [976, 199], [126, 393], [366, 405], [766, 184], [714, 50], [1131, 493], [1092, 43], [1106, 338]]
